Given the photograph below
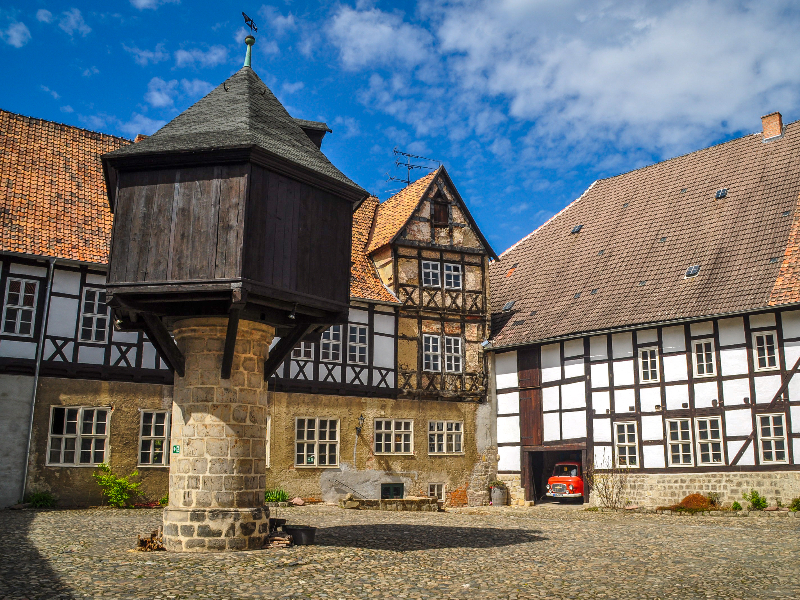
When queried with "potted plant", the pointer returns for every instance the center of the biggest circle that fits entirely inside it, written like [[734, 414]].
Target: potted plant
[[498, 492]]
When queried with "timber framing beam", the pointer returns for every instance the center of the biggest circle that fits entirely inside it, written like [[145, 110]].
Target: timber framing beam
[[230, 343], [158, 334], [284, 347]]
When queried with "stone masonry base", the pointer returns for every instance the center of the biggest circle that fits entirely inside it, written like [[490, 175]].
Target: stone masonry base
[[516, 493], [215, 529]]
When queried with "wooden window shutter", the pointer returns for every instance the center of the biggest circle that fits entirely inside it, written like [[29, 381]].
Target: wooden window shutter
[[440, 215], [528, 371]]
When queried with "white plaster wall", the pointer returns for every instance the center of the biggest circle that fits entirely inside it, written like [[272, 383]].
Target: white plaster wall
[[509, 458], [791, 352], [738, 422], [791, 323], [550, 398], [766, 388], [653, 457], [602, 430], [702, 328], [763, 320], [551, 362], [734, 361], [383, 324], [574, 424], [623, 373], [358, 316], [552, 427], [623, 400], [115, 354], [508, 403], [652, 427], [20, 269], [95, 279], [622, 344], [17, 349], [675, 368], [734, 391], [599, 373], [505, 368], [676, 395], [601, 402], [573, 367], [149, 356], [507, 429], [66, 282], [602, 457], [598, 347], [748, 458], [731, 331], [573, 348], [127, 337], [649, 398], [91, 354], [704, 393], [62, 316], [383, 355], [794, 413], [573, 395], [672, 339], [646, 336], [15, 402]]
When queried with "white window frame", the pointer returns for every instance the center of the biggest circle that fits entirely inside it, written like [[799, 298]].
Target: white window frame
[[776, 357], [438, 490], [311, 444], [431, 271], [79, 436], [303, 351], [683, 440], [699, 441], [93, 316], [453, 358], [652, 357], [397, 434], [445, 437], [431, 353], [20, 307], [331, 344], [705, 352], [453, 276], [358, 351], [152, 438], [772, 439], [626, 444]]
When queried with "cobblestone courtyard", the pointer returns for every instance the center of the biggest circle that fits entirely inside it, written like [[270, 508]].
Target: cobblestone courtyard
[[486, 553]]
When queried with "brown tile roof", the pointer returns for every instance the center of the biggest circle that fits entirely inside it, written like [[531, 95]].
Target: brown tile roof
[[747, 245], [53, 200], [395, 212], [364, 281]]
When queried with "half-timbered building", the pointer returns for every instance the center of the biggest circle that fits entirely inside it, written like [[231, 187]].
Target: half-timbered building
[[653, 325]]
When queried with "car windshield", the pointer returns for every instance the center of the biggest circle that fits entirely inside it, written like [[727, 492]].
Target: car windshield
[[565, 471]]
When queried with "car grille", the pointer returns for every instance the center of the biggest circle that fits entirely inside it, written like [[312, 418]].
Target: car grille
[[559, 488]]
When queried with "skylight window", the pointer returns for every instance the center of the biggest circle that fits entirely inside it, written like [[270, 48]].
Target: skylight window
[[577, 229], [593, 292], [662, 240], [576, 296], [641, 283], [683, 190], [786, 213], [517, 323], [601, 253], [533, 312], [721, 193], [692, 271], [774, 259], [625, 205], [508, 305]]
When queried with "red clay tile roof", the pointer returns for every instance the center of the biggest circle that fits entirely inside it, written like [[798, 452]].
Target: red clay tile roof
[[618, 272], [395, 212], [364, 281], [53, 200]]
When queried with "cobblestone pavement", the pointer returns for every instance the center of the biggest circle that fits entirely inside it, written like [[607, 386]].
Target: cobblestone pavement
[[479, 553]]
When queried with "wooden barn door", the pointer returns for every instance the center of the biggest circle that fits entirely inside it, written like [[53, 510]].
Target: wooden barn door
[[530, 396]]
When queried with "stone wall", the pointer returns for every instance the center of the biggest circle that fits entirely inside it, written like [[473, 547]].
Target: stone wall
[[16, 392], [516, 493], [664, 489]]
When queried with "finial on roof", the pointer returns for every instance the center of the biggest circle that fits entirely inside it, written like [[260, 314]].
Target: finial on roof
[[249, 40]]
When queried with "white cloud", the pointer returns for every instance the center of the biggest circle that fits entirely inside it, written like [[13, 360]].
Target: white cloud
[[16, 34], [140, 124], [373, 37], [212, 57], [195, 87], [152, 4], [279, 23], [72, 21], [95, 122], [47, 90], [161, 93], [44, 15], [91, 71], [146, 57], [67, 109], [350, 125], [292, 88]]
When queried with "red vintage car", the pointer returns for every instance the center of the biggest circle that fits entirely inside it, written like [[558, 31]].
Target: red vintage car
[[566, 481]]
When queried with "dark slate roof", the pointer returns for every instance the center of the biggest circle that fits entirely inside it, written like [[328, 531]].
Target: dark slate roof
[[247, 114], [745, 243], [317, 125]]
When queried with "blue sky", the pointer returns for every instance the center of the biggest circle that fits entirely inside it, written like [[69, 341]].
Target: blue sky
[[525, 102]]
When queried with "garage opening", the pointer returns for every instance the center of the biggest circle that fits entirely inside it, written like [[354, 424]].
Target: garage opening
[[540, 467]]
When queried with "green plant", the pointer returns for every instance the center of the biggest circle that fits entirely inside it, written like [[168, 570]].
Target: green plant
[[714, 499], [592, 509], [778, 502], [277, 495], [756, 500], [41, 500], [736, 506], [164, 501], [118, 490], [500, 485], [794, 505]]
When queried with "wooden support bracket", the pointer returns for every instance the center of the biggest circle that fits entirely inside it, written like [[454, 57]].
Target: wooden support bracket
[[284, 347], [230, 343], [159, 335]]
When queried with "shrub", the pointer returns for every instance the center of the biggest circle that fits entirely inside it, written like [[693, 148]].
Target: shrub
[[277, 495], [714, 499], [118, 490], [736, 506], [164, 501], [694, 502], [497, 484], [608, 482], [756, 500], [41, 500]]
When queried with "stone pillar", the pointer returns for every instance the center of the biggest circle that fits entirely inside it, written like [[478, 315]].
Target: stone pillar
[[217, 479]]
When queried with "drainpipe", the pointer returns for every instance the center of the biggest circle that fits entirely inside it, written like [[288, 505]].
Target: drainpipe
[[39, 352]]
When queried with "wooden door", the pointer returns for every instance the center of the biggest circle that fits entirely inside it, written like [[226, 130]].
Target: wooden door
[[529, 375]]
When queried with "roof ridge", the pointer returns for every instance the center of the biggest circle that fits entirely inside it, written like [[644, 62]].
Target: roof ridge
[[66, 125]]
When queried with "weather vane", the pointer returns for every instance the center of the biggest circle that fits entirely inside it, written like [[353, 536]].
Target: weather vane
[[250, 23]]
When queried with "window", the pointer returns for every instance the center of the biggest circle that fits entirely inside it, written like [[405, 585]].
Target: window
[[394, 437], [626, 445], [452, 354], [452, 276], [430, 353], [709, 441], [391, 491], [316, 442], [704, 358], [680, 442], [331, 344], [431, 274], [20, 306], [357, 345], [154, 438], [303, 351], [78, 436], [436, 490], [94, 318], [648, 365], [445, 437], [441, 217], [772, 438], [766, 357]]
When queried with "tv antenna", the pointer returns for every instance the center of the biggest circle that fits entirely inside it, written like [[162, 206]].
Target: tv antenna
[[409, 166], [250, 23]]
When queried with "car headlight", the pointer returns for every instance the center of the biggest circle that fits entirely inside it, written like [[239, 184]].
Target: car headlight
[[571, 487], [547, 486]]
